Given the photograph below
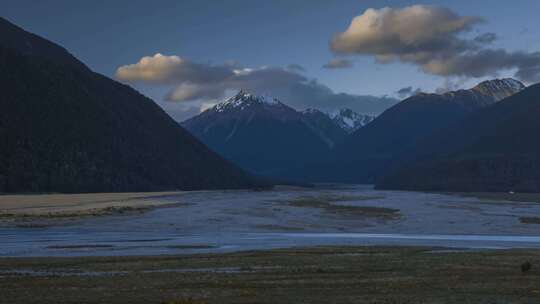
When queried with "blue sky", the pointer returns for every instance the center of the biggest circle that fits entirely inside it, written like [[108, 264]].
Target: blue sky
[[109, 34]]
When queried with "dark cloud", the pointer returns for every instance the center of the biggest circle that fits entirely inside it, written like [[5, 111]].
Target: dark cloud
[[431, 37], [451, 84], [312, 94], [488, 62], [485, 38], [338, 63], [407, 92], [198, 85], [296, 67]]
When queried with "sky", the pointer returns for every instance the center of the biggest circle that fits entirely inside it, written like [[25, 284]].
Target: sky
[[188, 55]]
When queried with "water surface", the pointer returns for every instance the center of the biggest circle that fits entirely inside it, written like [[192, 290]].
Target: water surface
[[223, 221]]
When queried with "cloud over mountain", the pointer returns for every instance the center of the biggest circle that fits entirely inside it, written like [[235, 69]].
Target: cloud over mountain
[[161, 69], [432, 37], [408, 91], [198, 83]]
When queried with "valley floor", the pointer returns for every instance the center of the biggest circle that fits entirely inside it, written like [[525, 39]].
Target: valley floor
[[338, 244], [308, 275], [78, 205], [148, 224]]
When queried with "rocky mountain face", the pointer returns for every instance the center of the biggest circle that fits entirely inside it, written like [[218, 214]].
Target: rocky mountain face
[[266, 136], [369, 152], [64, 128], [351, 121], [494, 149], [499, 89]]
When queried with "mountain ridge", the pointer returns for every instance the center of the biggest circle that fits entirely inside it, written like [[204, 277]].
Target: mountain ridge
[[496, 150], [368, 153], [18, 39], [239, 127], [349, 120], [65, 128]]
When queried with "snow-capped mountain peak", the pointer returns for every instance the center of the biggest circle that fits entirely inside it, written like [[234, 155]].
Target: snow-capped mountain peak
[[313, 111], [499, 88], [243, 100], [350, 120], [245, 105]]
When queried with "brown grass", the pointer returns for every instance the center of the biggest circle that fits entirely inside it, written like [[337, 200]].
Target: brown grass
[[310, 275]]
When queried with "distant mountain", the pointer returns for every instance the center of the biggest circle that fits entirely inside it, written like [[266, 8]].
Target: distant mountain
[[351, 121], [324, 126], [64, 128], [372, 150], [261, 134], [494, 149]]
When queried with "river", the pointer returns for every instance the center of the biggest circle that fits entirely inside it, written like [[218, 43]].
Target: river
[[224, 221]]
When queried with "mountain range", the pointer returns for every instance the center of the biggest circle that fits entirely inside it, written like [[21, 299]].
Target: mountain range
[[493, 149], [265, 136], [65, 128], [349, 120], [390, 139]]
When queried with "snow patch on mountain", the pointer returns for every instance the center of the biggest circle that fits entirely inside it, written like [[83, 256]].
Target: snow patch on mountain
[[346, 119], [499, 88], [349, 120], [243, 100], [313, 111]]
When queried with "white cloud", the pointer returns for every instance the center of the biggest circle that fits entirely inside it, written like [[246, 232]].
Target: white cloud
[[432, 38], [162, 69], [406, 31]]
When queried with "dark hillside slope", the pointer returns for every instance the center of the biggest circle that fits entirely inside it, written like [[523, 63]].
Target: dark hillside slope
[[30, 44], [64, 128], [374, 149], [495, 149], [260, 134]]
